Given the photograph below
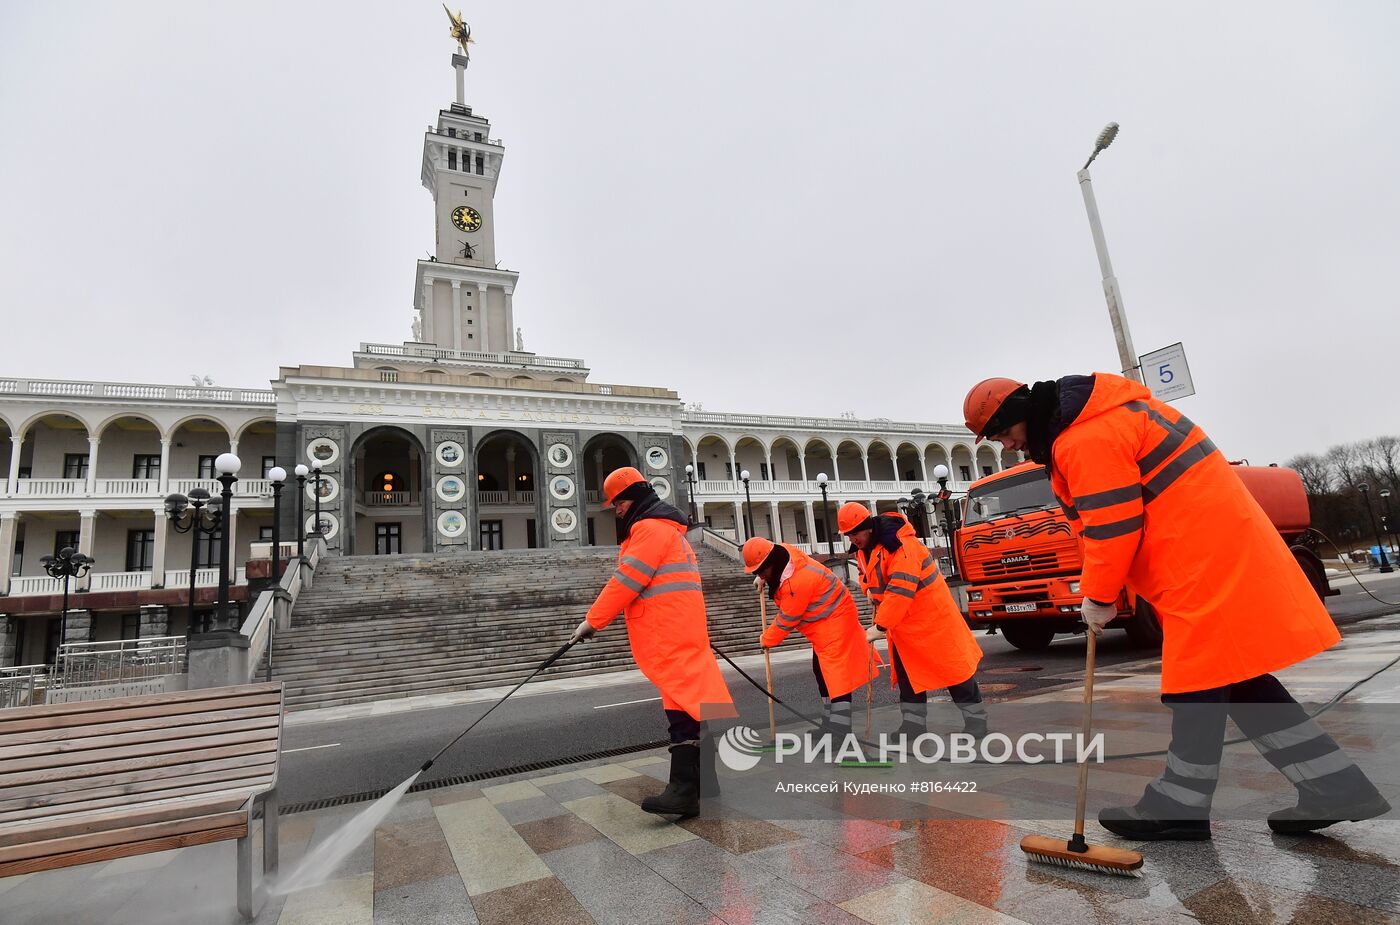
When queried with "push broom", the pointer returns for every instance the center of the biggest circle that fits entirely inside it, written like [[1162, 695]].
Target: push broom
[[1076, 852]]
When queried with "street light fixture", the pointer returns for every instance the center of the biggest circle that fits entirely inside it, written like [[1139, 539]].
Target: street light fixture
[[748, 505], [301, 472], [316, 481], [68, 564], [1371, 515], [1127, 356], [227, 465], [196, 514], [276, 475], [940, 475], [826, 519], [690, 484], [1388, 519]]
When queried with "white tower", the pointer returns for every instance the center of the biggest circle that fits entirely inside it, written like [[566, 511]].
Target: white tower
[[462, 299]]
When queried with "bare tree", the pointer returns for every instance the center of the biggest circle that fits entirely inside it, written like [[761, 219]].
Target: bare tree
[[1316, 473], [1345, 460], [1380, 457]]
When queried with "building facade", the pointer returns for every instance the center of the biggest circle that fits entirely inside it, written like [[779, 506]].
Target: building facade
[[457, 439]]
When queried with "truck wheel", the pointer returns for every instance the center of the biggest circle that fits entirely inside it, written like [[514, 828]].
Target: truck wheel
[[1313, 569], [1028, 637], [1144, 631]]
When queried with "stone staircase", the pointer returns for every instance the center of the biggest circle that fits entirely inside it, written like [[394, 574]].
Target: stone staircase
[[382, 627]]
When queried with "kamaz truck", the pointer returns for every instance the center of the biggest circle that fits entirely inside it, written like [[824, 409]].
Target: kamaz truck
[[1022, 561]]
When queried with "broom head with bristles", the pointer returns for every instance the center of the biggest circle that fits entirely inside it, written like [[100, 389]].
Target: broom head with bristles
[[1097, 858]]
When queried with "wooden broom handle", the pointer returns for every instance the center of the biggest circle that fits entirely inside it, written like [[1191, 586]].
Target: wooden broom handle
[[1088, 725]]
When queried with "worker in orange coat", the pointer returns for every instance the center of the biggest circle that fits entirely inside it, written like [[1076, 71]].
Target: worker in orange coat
[[657, 588], [814, 602], [930, 644], [1159, 511]]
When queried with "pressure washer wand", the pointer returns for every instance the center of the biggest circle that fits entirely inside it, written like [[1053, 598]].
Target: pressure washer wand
[[549, 661]]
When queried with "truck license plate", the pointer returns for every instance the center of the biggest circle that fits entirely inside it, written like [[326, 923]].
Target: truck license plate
[[1027, 607]]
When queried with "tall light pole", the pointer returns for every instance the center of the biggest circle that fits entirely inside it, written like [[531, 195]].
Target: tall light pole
[[227, 465], [277, 475], [940, 475], [826, 519], [690, 485], [196, 515], [1127, 356], [301, 472], [748, 505], [316, 480], [1388, 519], [1371, 515], [68, 564]]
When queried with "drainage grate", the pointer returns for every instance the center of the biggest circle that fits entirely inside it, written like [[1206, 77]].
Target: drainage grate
[[367, 795]]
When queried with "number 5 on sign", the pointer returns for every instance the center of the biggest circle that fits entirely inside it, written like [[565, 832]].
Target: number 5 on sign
[[1165, 372]]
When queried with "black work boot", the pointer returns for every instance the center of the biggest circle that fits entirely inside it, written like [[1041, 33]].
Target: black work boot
[[1315, 812], [682, 794], [1135, 823], [709, 778]]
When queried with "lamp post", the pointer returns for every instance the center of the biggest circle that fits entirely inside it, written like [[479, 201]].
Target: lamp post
[[227, 465], [1371, 515], [1388, 519], [1127, 356], [826, 520], [690, 485], [68, 564], [748, 505], [195, 514], [940, 474], [301, 472], [277, 475], [919, 502], [316, 480]]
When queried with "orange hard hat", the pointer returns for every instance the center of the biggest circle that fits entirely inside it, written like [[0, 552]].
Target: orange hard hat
[[755, 551], [983, 400], [617, 480], [851, 515]]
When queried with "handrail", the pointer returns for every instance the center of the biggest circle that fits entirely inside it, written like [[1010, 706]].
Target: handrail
[[721, 544]]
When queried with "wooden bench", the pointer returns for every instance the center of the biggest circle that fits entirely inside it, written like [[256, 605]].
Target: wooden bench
[[102, 779]]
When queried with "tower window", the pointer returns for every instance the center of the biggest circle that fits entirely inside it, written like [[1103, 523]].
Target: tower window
[[452, 159], [476, 136], [480, 164], [451, 132]]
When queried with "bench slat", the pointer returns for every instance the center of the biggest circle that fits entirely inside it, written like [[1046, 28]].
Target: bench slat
[[155, 723], [267, 731], [71, 843], [170, 810], [130, 849], [62, 777], [25, 721], [31, 794], [158, 790], [139, 700]]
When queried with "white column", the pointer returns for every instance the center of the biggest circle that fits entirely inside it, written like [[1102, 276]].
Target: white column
[[457, 315], [700, 511], [158, 558], [733, 467], [482, 321], [429, 329], [775, 517], [93, 444], [16, 444], [811, 524], [802, 464], [164, 472], [865, 461], [461, 80], [9, 529], [768, 461], [739, 530], [233, 448], [508, 309], [87, 529], [923, 466]]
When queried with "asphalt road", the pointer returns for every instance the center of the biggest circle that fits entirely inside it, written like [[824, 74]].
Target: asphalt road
[[325, 760]]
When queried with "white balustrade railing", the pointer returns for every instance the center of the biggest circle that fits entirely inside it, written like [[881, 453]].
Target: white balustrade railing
[[884, 486], [491, 497], [120, 581], [390, 498], [725, 487], [180, 577], [787, 487], [185, 486], [128, 488], [849, 485], [247, 487], [22, 585], [50, 488], [592, 496], [136, 390]]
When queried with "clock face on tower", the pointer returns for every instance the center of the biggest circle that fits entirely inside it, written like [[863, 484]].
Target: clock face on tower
[[466, 218]]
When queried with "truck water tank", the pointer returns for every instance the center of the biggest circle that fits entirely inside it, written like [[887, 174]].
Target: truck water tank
[[1280, 493]]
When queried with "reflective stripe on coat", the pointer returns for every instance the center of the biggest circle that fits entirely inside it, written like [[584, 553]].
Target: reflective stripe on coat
[[917, 611], [657, 589], [1159, 511], [816, 604]]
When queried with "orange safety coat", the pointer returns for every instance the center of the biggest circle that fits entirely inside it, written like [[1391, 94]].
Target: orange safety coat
[[915, 608], [1159, 511], [657, 588], [818, 606]]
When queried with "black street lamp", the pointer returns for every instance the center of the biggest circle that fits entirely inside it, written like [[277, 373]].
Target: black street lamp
[[690, 483], [317, 480], [195, 514], [301, 472], [826, 518], [918, 501], [68, 564], [227, 465], [1388, 519], [277, 475], [748, 505], [1371, 515], [940, 475]]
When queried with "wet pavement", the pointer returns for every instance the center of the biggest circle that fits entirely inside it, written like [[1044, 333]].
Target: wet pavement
[[572, 845]]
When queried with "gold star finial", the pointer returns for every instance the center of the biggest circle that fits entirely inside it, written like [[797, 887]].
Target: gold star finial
[[460, 31]]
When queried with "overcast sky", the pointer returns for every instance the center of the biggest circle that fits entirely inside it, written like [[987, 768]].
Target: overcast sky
[[805, 208]]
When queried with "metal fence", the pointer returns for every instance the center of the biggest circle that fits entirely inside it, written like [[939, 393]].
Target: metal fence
[[85, 664], [23, 685]]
